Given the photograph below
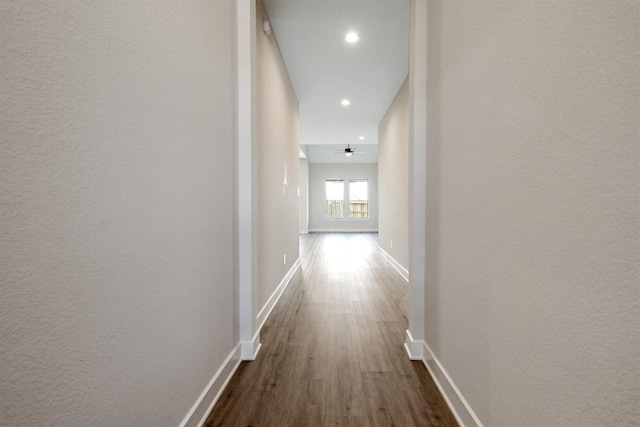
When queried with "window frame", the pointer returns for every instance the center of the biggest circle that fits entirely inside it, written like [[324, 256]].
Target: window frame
[[332, 204], [364, 207]]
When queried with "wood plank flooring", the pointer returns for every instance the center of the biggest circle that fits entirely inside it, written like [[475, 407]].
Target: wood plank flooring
[[332, 350]]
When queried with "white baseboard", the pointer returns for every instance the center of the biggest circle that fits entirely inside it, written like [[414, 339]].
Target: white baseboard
[[249, 349], [275, 296], [395, 264], [210, 395], [457, 403], [413, 347], [245, 350], [304, 232]]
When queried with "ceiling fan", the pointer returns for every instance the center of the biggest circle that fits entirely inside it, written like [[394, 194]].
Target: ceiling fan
[[348, 151]]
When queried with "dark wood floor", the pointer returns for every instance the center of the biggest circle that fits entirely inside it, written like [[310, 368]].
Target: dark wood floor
[[332, 350]]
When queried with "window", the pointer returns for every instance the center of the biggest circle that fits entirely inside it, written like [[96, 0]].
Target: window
[[358, 199], [335, 199], [334, 191]]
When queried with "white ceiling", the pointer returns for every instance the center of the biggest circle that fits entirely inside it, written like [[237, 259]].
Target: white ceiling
[[366, 153], [325, 69]]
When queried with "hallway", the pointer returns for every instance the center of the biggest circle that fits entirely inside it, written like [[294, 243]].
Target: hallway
[[332, 349]]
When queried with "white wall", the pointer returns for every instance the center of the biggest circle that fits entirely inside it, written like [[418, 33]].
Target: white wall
[[532, 288], [304, 196], [116, 226], [319, 173], [393, 175], [278, 159]]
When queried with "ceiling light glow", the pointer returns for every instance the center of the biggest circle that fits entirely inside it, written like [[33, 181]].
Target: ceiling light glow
[[345, 102], [361, 138], [352, 37]]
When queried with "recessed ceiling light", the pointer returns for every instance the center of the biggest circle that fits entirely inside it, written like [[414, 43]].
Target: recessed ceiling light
[[361, 137], [345, 102], [352, 37]]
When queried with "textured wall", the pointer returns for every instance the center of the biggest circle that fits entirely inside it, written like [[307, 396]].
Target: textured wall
[[116, 239], [278, 157], [393, 176], [319, 172], [532, 294]]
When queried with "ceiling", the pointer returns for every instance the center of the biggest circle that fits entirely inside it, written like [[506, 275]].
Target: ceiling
[[325, 69], [324, 153]]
